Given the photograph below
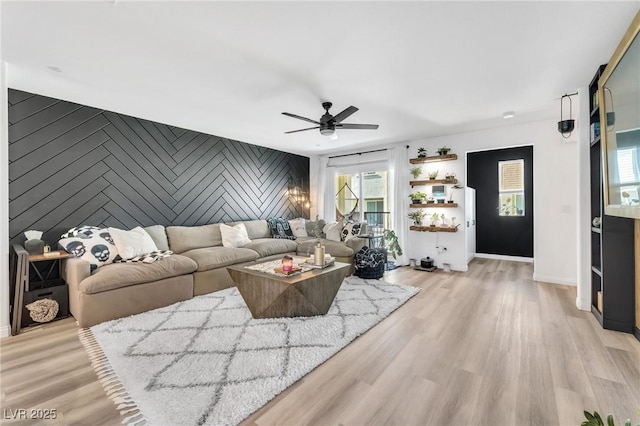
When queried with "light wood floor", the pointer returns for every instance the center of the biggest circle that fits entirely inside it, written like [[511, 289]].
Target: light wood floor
[[486, 347]]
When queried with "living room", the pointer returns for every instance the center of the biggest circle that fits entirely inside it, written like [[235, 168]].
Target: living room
[[125, 114]]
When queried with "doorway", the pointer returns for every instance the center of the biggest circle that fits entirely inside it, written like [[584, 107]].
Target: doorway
[[503, 180]]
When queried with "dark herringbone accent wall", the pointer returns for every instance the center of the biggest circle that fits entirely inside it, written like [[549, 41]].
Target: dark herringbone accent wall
[[71, 165]]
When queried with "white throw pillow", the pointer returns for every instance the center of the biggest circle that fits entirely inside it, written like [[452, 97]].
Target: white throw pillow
[[333, 230], [234, 236], [298, 227], [132, 243]]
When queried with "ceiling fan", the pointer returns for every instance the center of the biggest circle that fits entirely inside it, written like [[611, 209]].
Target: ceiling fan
[[329, 123]]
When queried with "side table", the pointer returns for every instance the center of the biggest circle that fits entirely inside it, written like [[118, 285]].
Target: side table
[[33, 283]]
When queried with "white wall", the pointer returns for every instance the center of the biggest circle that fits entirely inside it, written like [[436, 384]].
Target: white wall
[[4, 201], [554, 182]]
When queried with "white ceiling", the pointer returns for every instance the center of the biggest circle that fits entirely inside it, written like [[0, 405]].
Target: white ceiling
[[418, 69]]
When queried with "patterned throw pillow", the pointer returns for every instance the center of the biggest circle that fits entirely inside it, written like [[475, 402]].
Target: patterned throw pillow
[[280, 228], [90, 243], [351, 230]]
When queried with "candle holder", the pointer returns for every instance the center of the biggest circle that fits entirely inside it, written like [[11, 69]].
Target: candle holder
[[287, 263]]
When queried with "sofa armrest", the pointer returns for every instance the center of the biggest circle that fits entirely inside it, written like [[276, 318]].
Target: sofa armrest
[[74, 271], [356, 243]]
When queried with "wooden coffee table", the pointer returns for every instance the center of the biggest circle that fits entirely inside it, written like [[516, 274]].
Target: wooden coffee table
[[303, 295]]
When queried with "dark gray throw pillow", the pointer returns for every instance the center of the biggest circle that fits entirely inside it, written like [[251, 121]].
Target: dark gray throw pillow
[[280, 228]]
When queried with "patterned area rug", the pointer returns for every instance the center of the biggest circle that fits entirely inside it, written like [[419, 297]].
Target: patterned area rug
[[206, 361]]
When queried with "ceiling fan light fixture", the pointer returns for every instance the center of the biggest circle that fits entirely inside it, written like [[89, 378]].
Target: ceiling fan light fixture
[[327, 131]]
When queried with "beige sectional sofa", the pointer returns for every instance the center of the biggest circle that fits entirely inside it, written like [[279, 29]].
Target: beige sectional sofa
[[198, 266]]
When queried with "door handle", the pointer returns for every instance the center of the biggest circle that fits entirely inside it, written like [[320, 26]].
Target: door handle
[[467, 224]]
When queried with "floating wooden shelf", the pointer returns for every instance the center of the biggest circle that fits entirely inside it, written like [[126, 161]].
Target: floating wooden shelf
[[433, 158], [433, 228], [432, 182], [433, 205]]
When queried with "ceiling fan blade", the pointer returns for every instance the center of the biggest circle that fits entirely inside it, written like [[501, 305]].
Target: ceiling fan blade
[[301, 118], [357, 126], [344, 114], [302, 130]]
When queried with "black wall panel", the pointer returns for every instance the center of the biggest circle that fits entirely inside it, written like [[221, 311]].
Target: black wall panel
[[71, 165]]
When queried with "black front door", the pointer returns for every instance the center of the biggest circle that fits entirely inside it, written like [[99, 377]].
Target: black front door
[[504, 220]]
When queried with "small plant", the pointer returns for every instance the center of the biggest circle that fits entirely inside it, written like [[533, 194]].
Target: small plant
[[416, 171], [417, 216], [430, 200], [444, 150], [433, 175], [453, 189], [418, 196], [450, 176], [391, 243], [595, 420], [422, 152], [434, 219]]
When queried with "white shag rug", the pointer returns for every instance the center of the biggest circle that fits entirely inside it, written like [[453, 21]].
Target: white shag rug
[[206, 361]]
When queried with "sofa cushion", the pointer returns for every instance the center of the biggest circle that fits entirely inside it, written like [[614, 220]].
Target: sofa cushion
[[257, 228], [118, 275], [184, 238], [270, 246], [216, 257], [334, 248], [159, 236]]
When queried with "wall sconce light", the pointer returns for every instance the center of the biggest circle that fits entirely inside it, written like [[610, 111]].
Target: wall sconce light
[[566, 126], [299, 196]]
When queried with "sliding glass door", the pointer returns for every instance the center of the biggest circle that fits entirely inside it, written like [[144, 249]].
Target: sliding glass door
[[364, 196]]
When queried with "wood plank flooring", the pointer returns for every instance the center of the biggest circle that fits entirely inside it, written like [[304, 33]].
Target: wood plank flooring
[[485, 347]]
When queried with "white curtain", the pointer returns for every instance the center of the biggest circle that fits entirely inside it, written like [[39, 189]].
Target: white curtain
[[399, 177], [326, 198]]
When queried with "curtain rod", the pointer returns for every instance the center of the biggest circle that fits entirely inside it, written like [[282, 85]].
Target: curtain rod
[[358, 153]]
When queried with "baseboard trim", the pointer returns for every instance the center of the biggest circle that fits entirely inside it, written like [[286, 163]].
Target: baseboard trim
[[554, 280], [5, 331], [504, 257]]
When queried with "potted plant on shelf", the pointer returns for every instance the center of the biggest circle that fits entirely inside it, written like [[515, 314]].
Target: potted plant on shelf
[[434, 219], [444, 150], [450, 176], [416, 171], [430, 200], [417, 216], [433, 175], [422, 152], [418, 197], [450, 201]]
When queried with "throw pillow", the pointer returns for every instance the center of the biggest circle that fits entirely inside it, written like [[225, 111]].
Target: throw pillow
[[351, 230], [315, 227], [132, 243], [298, 227], [280, 228], [90, 243], [333, 230], [234, 236]]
